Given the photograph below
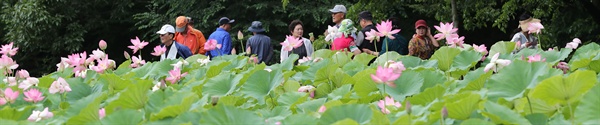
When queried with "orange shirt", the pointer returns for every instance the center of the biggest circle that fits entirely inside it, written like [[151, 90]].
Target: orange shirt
[[194, 40]]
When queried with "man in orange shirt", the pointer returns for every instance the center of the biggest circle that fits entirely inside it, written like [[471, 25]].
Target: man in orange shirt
[[188, 36]]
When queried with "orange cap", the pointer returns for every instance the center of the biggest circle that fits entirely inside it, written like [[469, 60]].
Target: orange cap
[[180, 23]]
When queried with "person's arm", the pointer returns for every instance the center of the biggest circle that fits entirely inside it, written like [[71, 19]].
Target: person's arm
[[430, 37], [309, 48], [226, 47]]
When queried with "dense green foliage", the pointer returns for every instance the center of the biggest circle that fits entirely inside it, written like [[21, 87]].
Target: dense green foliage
[[45, 29], [451, 88]]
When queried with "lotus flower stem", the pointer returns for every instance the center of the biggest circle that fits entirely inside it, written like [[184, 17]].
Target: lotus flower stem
[[242, 45], [572, 113], [530, 108]]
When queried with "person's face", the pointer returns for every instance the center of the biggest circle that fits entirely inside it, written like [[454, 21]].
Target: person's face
[[166, 37], [337, 17], [227, 27], [298, 31], [363, 23], [421, 31]]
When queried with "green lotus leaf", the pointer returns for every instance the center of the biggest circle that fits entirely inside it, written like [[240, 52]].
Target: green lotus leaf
[[262, 83], [428, 96], [588, 112], [502, 115], [228, 115], [409, 83], [363, 58], [445, 57], [360, 113], [559, 90], [512, 80], [123, 117], [503, 47], [297, 119], [219, 85], [88, 114], [476, 121]]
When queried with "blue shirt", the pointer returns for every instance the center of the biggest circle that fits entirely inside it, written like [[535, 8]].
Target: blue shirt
[[223, 38]]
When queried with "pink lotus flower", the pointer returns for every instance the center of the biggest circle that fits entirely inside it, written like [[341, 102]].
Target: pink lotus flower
[[25, 84], [102, 44], [62, 65], [535, 27], [385, 75], [322, 109], [2, 101], [33, 95], [60, 86], [137, 44], [517, 45], [446, 30], [97, 54], [102, 113], [574, 44], [8, 49], [455, 41], [137, 62], [385, 29], [103, 64], [398, 67], [36, 115], [481, 49], [562, 66], [7, 64], [388, 102], [159, 50], [80, 73], [211, 44], [535, 58], [12, 81], [305, 59], [550, 49], [291, 43], [372, 35], [10, 95], [77, 59], [22, 74], [253, 59], [175, 75], [309, 89], [495, 61]]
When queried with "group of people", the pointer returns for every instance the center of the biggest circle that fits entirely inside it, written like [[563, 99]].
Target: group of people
[[188, 41]]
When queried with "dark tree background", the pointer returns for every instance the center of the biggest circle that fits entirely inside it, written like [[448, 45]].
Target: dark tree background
[[45, 30]]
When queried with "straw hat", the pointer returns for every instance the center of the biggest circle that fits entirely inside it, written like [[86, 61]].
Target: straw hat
[[524, 24]]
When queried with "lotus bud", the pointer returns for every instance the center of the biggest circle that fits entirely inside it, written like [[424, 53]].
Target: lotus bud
[[240, 35], [444, 112], [214, 100], [126, 55], [102, 44], [408, 106]]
